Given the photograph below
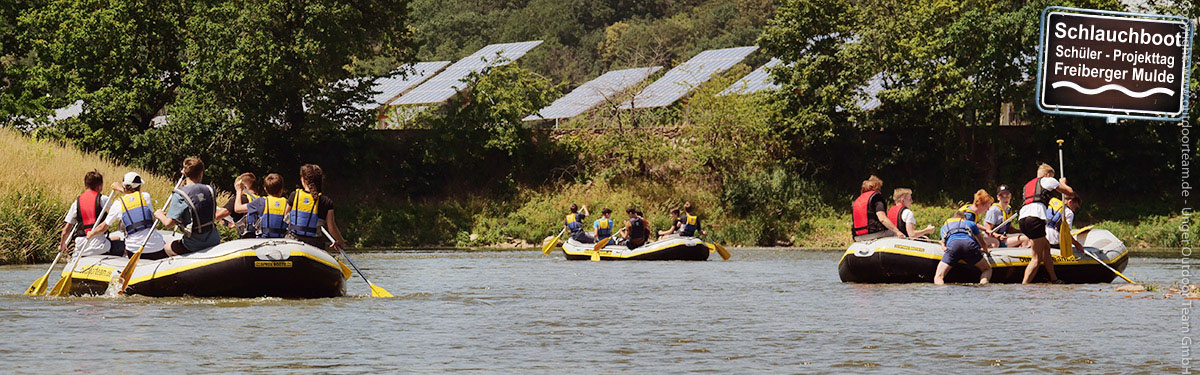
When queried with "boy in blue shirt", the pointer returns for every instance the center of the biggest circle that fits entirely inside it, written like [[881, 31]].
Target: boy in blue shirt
[[963, 241]]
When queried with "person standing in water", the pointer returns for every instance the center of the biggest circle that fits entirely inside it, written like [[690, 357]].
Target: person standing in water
[[1032, 219]]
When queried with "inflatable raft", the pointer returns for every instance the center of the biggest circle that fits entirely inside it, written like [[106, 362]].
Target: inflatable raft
[[894, 260], [669, 248], [240, 268]]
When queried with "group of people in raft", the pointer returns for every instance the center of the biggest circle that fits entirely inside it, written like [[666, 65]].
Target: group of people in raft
[[636, 230], [192, 207], [978, 226]]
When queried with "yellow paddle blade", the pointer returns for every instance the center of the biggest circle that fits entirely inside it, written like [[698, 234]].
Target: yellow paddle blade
[[346, 273], [38, 287], [1123, 276], [128, 271], [721, 250], [378, 291], [595, 256], [63, 287], [1064, 240], [549, 245], [602, 244], [1081, 230]]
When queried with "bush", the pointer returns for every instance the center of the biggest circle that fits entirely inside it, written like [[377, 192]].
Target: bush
[[30, 224]]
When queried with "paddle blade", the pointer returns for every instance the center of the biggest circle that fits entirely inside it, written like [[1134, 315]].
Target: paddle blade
[[595, 256], [602, 244], [346, 273], [128, 271], [549, 245], [1064, 240], [62, 288], [378, 291], [38, 287], [721, 250]]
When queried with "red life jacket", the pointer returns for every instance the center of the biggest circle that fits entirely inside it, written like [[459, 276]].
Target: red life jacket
[[87, 207], [894, 215], [1035, 193], [862, 214]]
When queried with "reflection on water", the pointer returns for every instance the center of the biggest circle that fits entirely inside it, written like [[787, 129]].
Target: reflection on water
[[767, 310]]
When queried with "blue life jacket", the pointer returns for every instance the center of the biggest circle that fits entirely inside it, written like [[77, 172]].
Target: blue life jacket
[[270, 220], [603, 228], [304, 218], [573, 224], [690, 225], [137, 216], [957, 226], [202, 202]]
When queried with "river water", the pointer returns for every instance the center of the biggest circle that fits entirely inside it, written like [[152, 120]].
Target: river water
[[766, 310]]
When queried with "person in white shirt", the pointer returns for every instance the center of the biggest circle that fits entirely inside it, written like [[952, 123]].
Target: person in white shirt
[[83, 215], [1032, 219], [903, 217], [135, 212]]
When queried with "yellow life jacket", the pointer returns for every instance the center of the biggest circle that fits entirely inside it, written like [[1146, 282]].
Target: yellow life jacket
[[966, 210], [137, 216], [271, 223], [303, 218]]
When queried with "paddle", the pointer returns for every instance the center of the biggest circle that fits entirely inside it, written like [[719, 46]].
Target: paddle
[[550, 244], [63, 287], [1081, 230], [132, 264], [39, 286], [1065, 247], [1118, 273], [376, 291], [720, 250]]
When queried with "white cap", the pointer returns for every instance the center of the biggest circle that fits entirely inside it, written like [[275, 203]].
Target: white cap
[[132, 179]]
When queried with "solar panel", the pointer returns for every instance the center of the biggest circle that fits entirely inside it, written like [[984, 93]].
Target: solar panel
[[443, 86], [758, 80], [680, 80], [593, 92], [407, 77]]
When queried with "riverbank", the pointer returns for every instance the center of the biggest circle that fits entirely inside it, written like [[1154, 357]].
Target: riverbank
[[766, 209]]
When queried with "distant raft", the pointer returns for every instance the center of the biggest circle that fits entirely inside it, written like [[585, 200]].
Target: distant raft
[[669, 248], [894, 260], [240, 268]]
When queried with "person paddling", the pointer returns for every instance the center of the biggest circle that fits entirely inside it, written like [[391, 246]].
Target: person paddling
[[243, 189], [136, 216], [574, 224], [84, 213], [309, 210], [691, 222], [963, 241], [603, 227], [870, 213], [192, 207], [265, 215], [1032, 219], [903, 217], [1000, 212], [635, 232], [676, 222]]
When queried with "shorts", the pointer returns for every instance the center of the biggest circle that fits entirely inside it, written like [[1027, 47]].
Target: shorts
[[149, 256], [635, 243], [962, 250], [1033, 227], [178, 248]]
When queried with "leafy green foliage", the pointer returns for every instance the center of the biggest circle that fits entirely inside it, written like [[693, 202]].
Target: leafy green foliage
[[29, 226]]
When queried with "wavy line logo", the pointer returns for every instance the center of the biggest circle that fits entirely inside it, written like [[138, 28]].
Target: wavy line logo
[[1113, 86]]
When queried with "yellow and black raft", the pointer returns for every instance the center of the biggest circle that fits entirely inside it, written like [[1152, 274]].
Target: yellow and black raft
[[894, 260], [241, 268], [667, 248]]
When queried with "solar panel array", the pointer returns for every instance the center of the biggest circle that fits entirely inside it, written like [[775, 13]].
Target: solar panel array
[[408, 76], [592, 93], [443, 86], [758, 80], [680, 80]]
